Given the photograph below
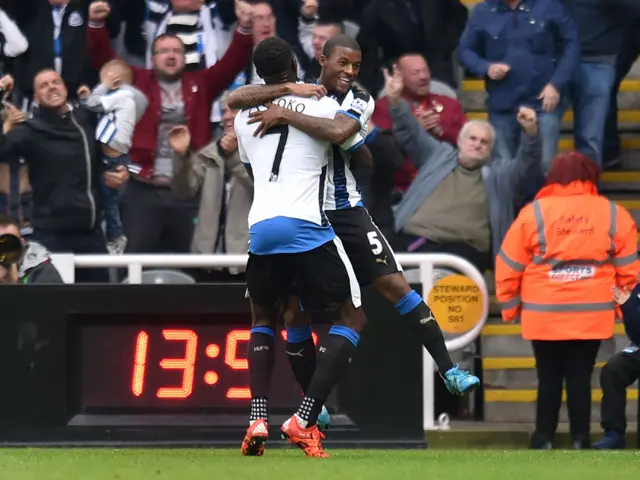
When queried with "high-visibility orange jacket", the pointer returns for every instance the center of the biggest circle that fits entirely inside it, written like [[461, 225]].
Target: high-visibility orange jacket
[[560, 260]]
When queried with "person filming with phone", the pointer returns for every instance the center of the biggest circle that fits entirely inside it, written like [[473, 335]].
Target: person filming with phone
[[59, 146], [23, 262]]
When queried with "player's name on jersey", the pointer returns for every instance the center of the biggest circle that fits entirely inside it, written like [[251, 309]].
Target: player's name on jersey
[[289, 103]]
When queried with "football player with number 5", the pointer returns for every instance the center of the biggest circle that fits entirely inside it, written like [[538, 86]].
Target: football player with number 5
[[371, 256]]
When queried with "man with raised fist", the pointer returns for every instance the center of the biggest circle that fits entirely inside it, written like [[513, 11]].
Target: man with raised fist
[[460, 202]]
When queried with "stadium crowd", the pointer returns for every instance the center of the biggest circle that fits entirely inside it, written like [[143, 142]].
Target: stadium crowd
[[118, 136]]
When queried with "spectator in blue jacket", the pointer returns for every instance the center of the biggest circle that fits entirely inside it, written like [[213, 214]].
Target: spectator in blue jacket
[[527, 51], [620, 371]]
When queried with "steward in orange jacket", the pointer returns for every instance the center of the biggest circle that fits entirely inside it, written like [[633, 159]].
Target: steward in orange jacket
[[561, 258]]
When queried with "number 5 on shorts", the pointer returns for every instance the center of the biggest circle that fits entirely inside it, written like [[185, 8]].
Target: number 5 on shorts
[[376, 246]]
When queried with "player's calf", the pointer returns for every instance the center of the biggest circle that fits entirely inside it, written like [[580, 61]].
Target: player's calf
[[261, 360], [300, 348], [420, 318], [334, 357]]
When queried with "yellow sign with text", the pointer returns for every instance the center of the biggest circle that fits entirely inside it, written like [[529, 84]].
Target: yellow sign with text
[[457, 303]]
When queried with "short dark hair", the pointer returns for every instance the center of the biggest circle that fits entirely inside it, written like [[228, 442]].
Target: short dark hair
[[7, 221], [260, 2], [340, 40], [331, 23], [164, 36], [273, 59]]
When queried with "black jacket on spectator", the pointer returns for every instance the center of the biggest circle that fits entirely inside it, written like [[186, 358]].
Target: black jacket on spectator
[[63, 159], [600, 23], [35, 19], [395, 27]]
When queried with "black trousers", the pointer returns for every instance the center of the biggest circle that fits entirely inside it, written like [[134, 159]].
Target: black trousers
[[481, 260], [569, 361], [624, 62], [155, 221], [619, 372], [79, 243]]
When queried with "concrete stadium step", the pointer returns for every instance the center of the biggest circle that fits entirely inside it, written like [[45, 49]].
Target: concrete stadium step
[[629, 161], [520, 405], [510, 381], [473, 95], [505, 341], [628, 142], [620, 181], [505, 436], [518, 373]]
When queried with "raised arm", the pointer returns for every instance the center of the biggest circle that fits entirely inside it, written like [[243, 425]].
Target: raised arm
[[15, 43], [221, 74], [98, 41], [529, 153], [94, 99], [14, 135], [412, 138], [251, 96]]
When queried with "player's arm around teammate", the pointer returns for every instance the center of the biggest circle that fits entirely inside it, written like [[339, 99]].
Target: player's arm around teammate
[[333, 130], [251, 96]]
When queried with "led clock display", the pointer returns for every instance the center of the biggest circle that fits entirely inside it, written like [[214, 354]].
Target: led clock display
[[175, 365], [166, 365]]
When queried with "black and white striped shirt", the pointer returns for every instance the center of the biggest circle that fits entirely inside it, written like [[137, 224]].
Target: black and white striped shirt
[[188, 27]]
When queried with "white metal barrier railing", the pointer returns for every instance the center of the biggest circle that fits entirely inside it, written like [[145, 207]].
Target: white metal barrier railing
[[66, 263]]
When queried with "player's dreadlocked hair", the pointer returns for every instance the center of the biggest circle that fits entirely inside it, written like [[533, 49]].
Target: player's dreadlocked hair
[[340, 40], [274, 62]]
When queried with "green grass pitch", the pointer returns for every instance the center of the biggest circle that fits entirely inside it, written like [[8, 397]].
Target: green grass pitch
[[210, 464]]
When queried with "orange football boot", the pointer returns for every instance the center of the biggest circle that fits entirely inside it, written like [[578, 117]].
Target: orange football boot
[[308, 439], [253, 443]]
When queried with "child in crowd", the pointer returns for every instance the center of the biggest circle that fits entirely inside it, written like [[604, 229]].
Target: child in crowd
[[620, 371], [120, 106]]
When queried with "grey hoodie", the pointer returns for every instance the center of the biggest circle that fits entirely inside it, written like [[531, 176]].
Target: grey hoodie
[[122, 109]]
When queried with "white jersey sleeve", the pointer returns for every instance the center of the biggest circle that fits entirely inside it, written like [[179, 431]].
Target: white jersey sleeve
[[342, 189], [360, 106], [289, 171]]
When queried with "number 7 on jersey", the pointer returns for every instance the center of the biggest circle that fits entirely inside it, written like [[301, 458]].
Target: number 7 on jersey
[[283, 131]]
